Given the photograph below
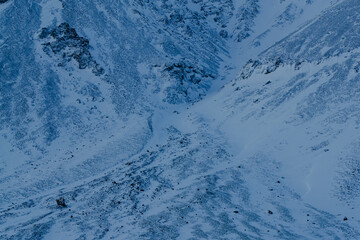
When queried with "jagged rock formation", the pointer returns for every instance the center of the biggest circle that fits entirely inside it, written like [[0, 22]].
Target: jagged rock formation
[[65, 42], [191, 82]]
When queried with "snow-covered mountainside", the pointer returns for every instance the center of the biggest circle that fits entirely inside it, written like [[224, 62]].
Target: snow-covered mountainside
[[179, 119]]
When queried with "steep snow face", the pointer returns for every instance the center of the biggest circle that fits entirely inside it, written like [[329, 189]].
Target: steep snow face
[[292, 118], [311, 87], [258, 25], [113, 123], [333, 33]]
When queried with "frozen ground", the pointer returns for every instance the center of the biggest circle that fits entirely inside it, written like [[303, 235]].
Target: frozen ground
[[222, 119]]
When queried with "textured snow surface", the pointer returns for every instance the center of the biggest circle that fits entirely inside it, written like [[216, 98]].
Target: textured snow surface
[[179, 119]]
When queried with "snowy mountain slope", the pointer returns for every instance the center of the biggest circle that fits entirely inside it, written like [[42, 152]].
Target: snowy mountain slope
[[200, 195], [97, 70], [297, 109], [84, 87], [141, 149]]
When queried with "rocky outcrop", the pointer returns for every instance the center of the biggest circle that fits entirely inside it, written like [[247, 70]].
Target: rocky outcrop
[[64, 41], [190, 82]]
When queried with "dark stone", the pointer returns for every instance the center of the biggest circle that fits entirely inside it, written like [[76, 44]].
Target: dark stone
[[61, 202], [223, 33]]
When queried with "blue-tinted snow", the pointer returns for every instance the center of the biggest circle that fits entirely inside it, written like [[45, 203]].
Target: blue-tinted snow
[[126, 120]]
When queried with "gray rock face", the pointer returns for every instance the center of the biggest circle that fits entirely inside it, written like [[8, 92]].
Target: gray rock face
[[65, 42], [191, 82]]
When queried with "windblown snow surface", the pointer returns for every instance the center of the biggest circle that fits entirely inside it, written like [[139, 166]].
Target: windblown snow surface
[[179, 119]]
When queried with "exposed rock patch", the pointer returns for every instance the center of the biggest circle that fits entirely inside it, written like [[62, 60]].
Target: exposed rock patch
[[66, 43], [191, 82]]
